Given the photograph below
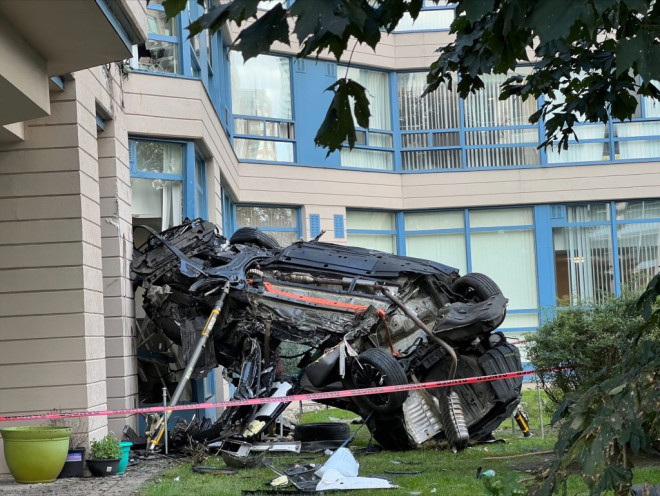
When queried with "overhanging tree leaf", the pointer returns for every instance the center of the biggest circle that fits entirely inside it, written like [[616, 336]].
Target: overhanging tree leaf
[[337, 126], [258, 37]]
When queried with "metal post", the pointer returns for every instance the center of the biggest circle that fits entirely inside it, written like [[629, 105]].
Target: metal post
[[538, 391], [165, 418], [206, 332]]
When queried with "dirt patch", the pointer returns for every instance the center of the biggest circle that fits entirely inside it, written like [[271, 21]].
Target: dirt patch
[[117, 485]]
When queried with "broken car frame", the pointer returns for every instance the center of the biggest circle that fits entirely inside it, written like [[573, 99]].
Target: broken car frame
[[362, 317]]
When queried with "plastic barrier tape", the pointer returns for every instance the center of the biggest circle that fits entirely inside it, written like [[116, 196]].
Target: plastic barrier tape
[[278, 399]]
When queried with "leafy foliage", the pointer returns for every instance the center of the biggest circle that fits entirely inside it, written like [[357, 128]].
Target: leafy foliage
[[106, 448], [590, 59], [618, 416], [588, 340]]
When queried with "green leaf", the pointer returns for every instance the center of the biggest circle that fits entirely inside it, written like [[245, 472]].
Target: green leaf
[[642, 53], [212, 20], [173, 7], [338, 126], [475, 9], [258, 38], [552, 20]]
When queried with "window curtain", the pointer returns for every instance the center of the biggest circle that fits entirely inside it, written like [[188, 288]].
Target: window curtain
[[639, 254], [583, 264], [261, 86], [378, 92], [437, 110], [172, 204], [638, 148], [509, 258], [448, 249]]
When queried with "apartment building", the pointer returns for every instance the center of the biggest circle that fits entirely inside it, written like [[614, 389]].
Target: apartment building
[[90, 149]]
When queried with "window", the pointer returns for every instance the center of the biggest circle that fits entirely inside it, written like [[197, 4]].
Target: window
[[168, 183], [638, 242], [374, 148], [430, 137], [283, 223], [498, 242], [374, 230], [488, 132], [433, 17], [584, 269], [498, 132], [160, 53], [262, 107]]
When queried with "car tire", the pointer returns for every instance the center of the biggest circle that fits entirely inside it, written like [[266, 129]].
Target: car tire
[[390, 432], [254, 236], [476, 286], [321, 431], [375, 367]]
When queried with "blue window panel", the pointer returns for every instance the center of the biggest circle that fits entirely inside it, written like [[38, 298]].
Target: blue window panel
[[314, 225], [339, 227]]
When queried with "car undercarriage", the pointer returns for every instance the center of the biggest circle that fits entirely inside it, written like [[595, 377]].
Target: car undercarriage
[[356, 317]]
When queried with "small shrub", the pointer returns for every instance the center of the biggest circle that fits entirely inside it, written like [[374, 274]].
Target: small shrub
[[590, 340], [106, 448]]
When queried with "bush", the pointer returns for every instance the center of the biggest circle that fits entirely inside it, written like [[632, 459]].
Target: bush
[[589, 339], [106, 448]]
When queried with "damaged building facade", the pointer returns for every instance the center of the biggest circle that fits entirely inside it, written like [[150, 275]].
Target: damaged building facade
[[90, 148]]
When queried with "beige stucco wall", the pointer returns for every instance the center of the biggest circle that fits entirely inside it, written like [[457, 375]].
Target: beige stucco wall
[[52, 352]]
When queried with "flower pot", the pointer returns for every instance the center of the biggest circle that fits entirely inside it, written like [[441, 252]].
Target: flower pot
[[103, 468], [73, 467], [125, 451], [35, 454]]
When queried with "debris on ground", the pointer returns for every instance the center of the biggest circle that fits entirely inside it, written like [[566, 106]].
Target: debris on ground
[[338, 473]]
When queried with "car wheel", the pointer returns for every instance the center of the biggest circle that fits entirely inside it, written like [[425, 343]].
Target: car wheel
[[254, 236], [372, 368], [476, 286], [321, 431]]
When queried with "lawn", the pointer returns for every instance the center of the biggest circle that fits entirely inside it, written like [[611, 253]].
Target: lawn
[[439, 471]]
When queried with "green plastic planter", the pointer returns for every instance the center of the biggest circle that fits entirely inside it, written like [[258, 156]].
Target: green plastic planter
[[123, 461], [35, 454]]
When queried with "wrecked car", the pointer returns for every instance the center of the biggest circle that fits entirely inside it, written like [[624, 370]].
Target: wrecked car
[[358, 318]]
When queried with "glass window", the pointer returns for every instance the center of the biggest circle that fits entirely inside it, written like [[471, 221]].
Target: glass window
[[652, 106], [639, 253], [502, 217], [159, 157], [377, 86], [279, 222], [160, 53], [634, 210], [448, 249], [593, 212], [509, 258], [434, 16], [583, 263], [261, 86], [434, 220], [381, 224], [640, 149]]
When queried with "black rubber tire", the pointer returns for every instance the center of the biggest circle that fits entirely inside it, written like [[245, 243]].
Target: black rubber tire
[[476, 286], [254, 236], [321, 431], [376, 367], [390, 432]]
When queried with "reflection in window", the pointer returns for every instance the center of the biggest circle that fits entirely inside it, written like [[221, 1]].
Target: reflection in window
[[261, 99], [158, 198], [279, 222], [160, 53]]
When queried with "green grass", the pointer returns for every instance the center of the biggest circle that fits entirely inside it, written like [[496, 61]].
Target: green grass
[[449, 474]]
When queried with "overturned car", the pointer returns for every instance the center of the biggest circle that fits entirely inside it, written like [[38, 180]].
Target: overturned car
[[357, 318]]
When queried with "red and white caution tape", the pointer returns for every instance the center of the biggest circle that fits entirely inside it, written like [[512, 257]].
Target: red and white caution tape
[[277, 399]]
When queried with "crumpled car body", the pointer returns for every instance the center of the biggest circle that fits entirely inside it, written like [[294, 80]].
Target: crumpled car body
[[356, 318]]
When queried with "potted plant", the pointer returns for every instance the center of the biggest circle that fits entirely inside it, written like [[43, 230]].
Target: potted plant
[[75, 459], [105, 456], [35, 453]]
